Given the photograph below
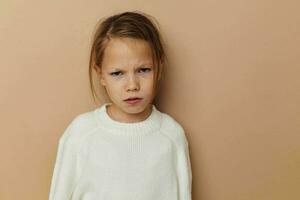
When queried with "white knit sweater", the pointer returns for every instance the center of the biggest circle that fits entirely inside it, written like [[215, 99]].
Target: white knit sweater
[[99, 158]]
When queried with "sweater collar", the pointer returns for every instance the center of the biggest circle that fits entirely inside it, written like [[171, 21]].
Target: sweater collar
[[151, 124]]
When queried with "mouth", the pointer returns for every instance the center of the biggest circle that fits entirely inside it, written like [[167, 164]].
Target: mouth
[[133, 100]]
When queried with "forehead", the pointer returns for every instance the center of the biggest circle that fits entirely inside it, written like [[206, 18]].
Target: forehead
[[126, 52]]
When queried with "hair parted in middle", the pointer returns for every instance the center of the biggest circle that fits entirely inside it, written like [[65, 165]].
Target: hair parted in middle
[[135, 25]]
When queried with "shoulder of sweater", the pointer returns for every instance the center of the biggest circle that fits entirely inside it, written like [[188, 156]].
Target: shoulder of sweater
[[79, 127], [172, 129]]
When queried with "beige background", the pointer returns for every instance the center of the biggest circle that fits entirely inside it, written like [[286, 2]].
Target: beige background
[[232, 82]]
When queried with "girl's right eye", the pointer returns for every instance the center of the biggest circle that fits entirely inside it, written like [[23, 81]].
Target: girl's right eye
[[114, 73]]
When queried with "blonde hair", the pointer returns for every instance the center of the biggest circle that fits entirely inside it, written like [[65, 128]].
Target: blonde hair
[[136, 25]]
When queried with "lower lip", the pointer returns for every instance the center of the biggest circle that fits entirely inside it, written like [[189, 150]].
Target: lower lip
[[134, 101]]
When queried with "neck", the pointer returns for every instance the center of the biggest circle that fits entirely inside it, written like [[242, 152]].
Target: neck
[[121, 116]]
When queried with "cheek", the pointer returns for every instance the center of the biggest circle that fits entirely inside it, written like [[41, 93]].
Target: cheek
[[149, 86], [113, 88]]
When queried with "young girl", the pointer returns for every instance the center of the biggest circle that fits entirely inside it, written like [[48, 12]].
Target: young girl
[[126, 149]]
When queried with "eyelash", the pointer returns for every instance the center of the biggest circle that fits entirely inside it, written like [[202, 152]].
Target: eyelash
[[114, 73]]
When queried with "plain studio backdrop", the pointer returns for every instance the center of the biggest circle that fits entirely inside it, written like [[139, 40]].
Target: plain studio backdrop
[[232, 81]]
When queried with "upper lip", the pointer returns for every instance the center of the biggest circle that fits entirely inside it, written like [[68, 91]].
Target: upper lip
[[132, 98]]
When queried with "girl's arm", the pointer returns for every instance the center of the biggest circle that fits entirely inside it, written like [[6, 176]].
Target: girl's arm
[[184, 169], [66, 169]]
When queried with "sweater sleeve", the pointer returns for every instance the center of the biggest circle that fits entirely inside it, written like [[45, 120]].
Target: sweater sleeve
[[184, 170], [66, 168]]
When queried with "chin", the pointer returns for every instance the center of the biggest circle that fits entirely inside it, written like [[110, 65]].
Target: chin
[[135, 109]]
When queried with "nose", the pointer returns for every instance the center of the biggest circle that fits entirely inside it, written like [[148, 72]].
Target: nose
[[133, 83]]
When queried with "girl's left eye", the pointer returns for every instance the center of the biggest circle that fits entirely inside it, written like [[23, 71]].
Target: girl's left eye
[[146, 69]]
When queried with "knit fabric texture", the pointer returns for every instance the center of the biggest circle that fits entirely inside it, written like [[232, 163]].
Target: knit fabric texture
[[99, 158]]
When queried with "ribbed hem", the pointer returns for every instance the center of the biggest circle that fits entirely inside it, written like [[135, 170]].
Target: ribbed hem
[[151, 124]]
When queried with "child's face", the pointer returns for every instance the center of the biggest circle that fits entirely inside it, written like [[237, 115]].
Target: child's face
[[127, 71]]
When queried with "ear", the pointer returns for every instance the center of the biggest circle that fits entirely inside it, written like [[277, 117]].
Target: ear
[[102, 81], [99, 72], [97, 69]]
